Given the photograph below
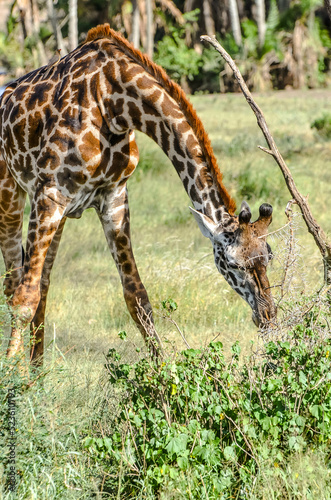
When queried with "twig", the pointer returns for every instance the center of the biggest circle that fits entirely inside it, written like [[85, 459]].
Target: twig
[[276, 231], [153, 340], [289, 262], [313, 227], [179, 330], [244, 438]]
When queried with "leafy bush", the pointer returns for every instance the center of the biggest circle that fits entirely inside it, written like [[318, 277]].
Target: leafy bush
[[323, 126], [198, 422], [174, 55]]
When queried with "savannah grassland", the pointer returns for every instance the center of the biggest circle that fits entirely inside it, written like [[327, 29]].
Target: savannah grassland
[[86, 310]]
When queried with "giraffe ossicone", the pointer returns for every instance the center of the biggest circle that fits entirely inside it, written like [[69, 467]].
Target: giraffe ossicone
[[67, 140]]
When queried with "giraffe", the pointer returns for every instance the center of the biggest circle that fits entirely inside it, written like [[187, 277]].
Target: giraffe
[[67, 140]]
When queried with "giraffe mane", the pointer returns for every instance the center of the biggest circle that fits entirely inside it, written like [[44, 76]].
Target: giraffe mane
[[175, 91]]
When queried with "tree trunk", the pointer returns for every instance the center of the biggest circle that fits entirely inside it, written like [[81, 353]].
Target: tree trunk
[[260, 18], [126, 15], [283, 5], [208, 17], [31, 25], [73, 25], [143, 22], [327, 4], [188, 7], [26, 17], [135, 24], [297, 43], [56, 29], [235, 24], [149, 29]]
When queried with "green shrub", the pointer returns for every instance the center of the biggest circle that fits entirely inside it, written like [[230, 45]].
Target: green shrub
[[174, 55], [323, 126], [212, 425]]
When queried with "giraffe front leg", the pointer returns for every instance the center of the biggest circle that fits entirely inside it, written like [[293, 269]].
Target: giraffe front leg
[[115, 220], [46, 215], [37, 326]]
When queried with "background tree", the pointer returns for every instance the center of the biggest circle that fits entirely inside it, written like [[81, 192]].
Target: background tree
[[277, 43], [73, 25], [235, 24], [135, 23], [327, 4], [149, 48], [260, 19]]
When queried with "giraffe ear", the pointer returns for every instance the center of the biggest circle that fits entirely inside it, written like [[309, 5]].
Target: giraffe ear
[[206, 225], [245, 214], [265, 218]]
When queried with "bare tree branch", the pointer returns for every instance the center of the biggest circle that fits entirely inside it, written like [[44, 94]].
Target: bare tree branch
[[313, 227]]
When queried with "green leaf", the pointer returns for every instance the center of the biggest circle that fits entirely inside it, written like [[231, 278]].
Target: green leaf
[[316, 410], [182, 463], [108, 444], [137, 421], [89, 442], [169, 305], [229, 453], [302, 378], [177, 444], [236, 349], [300, 421], [193, 426]]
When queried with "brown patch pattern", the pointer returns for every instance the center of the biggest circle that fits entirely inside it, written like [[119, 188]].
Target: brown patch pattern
[[104, 31]]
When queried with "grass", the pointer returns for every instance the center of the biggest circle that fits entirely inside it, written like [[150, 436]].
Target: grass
[[86, 309]]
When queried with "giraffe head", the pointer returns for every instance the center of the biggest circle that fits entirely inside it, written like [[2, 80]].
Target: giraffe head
[[242, 254]]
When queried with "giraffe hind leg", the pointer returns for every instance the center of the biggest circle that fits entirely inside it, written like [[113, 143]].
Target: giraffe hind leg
[[12, 201]]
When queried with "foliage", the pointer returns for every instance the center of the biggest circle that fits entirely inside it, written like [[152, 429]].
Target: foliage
[[277, 63], [323, 126], [11, 54], [216, 425], [174, 55]]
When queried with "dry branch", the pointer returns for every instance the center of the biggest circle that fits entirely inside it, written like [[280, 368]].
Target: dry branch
[[314, 228]]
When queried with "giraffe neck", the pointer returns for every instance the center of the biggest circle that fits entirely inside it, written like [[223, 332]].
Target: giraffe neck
[[137, 94], [144, 105]]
